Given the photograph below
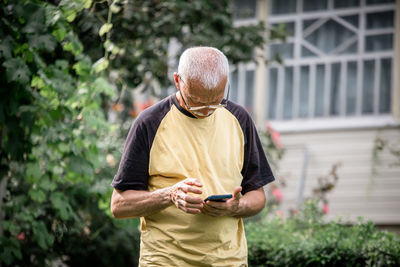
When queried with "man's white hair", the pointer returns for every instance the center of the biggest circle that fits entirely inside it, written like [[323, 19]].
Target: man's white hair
[[205, 64]]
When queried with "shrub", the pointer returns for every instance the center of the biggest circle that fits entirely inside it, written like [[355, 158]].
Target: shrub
[[305, 240]]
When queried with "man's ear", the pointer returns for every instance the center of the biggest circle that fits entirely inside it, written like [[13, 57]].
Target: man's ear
[[176, 80]]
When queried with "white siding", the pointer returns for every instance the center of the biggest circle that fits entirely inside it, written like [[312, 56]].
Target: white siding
[[357, 193]]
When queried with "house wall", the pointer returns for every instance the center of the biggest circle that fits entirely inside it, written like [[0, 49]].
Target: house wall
[[358, 192]]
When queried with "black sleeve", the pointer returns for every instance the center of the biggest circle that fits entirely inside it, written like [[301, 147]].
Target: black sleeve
[[256, 171], [133, 171]]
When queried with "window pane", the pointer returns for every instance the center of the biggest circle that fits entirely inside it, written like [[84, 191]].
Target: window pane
[[308, 22], [368, 86], [329, 36], [346, 3], [285, 51], [335, 84], [319, 91], [288, 93], [244, 9], [249, 90], [305, 52], [351, 86], [351, 49], [373, 2], [380, 20], [283, 7], [288, 26], [304, 91], [353, 20], [313, 5], [379, 42], [385, 85], [233, 94], [272, 93]]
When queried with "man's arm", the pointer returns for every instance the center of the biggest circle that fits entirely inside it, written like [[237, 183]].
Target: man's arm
[[139, 203], [241, 207]]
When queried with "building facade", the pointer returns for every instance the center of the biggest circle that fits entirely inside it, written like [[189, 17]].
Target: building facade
[[336, 92]]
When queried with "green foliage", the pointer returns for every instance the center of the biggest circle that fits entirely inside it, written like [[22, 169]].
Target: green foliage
[[306, 240], [61, 64], [54, 142]]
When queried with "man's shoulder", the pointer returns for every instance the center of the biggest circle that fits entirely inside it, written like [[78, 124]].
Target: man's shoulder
[[155, 112], [241, 114]]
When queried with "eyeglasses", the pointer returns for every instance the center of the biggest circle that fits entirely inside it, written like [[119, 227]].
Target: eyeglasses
[[223, 103]]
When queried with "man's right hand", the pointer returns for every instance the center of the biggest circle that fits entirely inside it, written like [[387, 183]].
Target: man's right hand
[[182, 200]]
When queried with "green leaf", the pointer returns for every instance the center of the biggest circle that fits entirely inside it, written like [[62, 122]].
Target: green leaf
[[105, 28], [100, 65], [37, 82], [42, 42], [6, 48], [101, 85], [33, 170], [87, 3], [73, 44], [41, 235], [17, 70], [37, 195], [80, 166], [70, 15], [60, 203], [114, 7], [47, 184], [82, 68], [59, 34]]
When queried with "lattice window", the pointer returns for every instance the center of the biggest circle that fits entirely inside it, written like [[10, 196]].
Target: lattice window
[[337, 59]]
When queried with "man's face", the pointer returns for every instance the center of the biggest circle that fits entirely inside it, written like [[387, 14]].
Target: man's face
[[195, 95]]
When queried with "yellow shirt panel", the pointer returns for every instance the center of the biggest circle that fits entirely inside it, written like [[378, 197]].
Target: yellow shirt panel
[[210, 150]]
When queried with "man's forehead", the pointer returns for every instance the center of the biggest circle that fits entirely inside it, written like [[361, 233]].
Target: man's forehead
[[200, 94]]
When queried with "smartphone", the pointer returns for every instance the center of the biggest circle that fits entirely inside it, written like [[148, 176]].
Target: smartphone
[[218, 198]]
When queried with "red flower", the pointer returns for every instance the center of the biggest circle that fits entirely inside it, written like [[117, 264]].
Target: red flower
[[277, 194], [21, 237], [276, 137], [325, 208]]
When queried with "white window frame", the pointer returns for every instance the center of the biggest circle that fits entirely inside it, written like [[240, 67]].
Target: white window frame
[[341, 121]]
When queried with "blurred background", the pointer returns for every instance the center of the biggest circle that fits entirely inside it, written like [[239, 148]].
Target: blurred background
[[321, 80]]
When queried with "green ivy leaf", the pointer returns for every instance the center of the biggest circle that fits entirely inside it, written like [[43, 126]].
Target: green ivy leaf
[[105, 28], [73, 44], [41, 235], [33, 170], [60, 203], [101, 85], [59, 34], [17, 70], [37, 195], [100, 65], [37, 82], [80, 166], [42, 42], [6, 48]]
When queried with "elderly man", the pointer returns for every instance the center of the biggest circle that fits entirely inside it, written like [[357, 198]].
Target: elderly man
[[188, 146]]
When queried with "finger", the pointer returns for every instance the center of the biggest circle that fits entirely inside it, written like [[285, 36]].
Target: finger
[[192, 189], [186, 205], [236, 192], [193, 199], [193, 181]]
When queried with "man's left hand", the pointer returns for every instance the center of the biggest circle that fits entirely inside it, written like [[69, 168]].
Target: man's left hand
[[227, 208]]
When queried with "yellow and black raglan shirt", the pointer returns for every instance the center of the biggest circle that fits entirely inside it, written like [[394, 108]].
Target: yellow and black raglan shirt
[[165, 145]]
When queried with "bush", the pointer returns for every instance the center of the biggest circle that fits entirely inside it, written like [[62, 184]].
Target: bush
[[305, 240]]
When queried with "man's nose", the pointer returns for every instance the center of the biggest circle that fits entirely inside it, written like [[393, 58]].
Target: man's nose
[[205, 111]]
